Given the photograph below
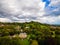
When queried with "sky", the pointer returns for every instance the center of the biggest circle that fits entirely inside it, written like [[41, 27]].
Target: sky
[[43, 11]]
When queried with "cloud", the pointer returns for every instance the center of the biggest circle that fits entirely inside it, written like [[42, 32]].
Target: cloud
[[5, 20], [44, 11], [28, 9], [18, 6], [53, 8]]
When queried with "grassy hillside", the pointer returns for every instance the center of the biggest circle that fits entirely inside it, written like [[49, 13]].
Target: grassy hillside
[[41, 34]]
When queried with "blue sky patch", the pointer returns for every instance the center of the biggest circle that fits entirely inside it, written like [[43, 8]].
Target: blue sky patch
[[47, 2]]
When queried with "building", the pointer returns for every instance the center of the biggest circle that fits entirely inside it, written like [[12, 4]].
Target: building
[[23, 35]]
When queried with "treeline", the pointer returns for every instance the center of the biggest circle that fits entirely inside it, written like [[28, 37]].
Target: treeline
[[38, 34]]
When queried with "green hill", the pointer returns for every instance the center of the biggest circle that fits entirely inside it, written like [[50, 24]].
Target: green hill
[[44, 34]]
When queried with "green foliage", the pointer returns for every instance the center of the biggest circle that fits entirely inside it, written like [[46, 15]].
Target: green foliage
[[24, 42], [34, 42], [37, 32], [7, 41]]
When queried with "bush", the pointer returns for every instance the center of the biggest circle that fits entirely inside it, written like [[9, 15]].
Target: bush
[[34, 42]]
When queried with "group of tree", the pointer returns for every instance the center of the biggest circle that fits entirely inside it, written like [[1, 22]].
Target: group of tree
[[38, 33]]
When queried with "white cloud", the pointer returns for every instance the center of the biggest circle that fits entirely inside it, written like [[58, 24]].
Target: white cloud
[[54, 2], [18, 6], [49, 19], [5, 20], [28, 10]]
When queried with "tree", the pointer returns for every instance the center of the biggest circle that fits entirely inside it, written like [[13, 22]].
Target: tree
[[34, 42]]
